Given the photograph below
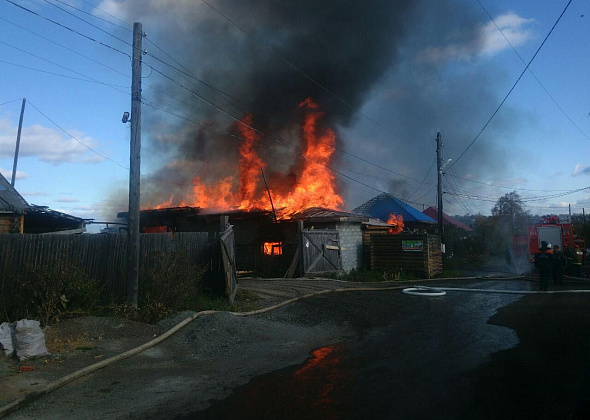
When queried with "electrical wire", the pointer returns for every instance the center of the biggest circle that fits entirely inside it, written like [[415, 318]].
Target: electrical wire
[[74, 137], [68, 28], [94, 16], [421, 182], [9, 102], [87, 78], [513, 86], [88, 23], [66, 76], [107, 13], [505, 187], [65, 47], [531, 72]]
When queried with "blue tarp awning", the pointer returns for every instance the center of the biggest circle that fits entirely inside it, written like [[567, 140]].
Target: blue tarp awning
[[382, 206]]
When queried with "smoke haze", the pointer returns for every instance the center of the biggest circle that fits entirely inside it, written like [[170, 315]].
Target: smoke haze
[[387, 75]]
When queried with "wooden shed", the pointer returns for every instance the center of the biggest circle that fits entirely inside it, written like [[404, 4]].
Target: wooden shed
[[417, 253]]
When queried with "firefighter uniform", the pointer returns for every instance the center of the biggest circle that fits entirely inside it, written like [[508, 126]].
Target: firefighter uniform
[[544, 263]]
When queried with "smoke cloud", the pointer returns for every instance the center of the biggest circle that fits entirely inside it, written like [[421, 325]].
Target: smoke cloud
[[387, 75]]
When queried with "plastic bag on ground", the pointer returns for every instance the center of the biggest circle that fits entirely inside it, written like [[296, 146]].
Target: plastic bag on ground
[[29, 339], [7, 338]]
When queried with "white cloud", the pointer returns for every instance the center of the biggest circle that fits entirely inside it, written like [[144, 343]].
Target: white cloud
[[67, 200], [487, 42], [580, 169], [35, 194], [46, 144], [8, 174]]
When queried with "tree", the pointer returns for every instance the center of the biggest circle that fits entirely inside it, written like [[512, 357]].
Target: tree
[[511, 214]]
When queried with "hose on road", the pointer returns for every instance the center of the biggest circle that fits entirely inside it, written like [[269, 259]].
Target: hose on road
[[441, 291]]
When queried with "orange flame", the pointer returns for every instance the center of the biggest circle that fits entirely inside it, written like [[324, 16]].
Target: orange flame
[[273, 248], [397, 221], [314, 184]]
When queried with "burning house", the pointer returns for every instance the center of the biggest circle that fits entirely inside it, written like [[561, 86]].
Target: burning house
[[312, 241], [286, 223]]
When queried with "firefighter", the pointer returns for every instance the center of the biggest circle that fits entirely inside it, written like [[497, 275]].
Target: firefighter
[[544, 263], [558, 265]]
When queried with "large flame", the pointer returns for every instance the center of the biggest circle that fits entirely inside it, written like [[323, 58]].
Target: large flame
[[397, 223], [314, 185]]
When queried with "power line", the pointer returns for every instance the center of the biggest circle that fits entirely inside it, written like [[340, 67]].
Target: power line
[[94, 16], [505, 187], [421, 182], [531, 72], [513, 86], [68, 28], [9, 102], [88, 78], [107, 13], [88, 23], [65, 47], [65, 75], [75, 138], [95, 151]]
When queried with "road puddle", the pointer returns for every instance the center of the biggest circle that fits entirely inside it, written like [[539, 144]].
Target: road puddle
[[314, 390]]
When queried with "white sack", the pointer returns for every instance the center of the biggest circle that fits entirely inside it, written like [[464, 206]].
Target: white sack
[[7, 338], [29, 339]]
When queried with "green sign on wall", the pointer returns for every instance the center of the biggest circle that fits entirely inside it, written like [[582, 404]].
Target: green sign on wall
[[412, 245]]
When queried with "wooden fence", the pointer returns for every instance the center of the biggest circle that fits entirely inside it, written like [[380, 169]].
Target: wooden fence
[[102, 256]]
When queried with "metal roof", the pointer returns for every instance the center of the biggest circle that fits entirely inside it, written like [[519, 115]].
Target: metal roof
[[324, 214], [447, 220], [10, 199], [382, 206]]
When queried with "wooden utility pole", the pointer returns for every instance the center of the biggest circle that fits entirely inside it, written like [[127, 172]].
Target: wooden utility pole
[[134, 169], [20, 127], [439, 193]]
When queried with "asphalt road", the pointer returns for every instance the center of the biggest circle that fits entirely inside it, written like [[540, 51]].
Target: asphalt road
[[461, 356], [353, 355]]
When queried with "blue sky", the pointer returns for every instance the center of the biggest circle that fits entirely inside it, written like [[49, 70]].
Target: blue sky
[[449, 76]]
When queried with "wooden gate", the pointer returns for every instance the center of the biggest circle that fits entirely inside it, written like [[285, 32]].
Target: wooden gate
[[228, 254], [321, 251]]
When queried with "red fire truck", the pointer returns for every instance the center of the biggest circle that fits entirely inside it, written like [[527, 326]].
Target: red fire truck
[[552, 229]]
